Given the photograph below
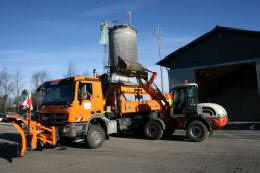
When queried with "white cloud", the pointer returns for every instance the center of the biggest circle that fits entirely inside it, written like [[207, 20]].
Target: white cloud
[[58, 27], [117, 7]]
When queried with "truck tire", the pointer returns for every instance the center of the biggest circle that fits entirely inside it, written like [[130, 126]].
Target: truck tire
[[95, 136], [153, 130], [197, 131]]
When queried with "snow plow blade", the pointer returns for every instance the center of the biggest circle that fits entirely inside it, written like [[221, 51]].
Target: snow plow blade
[[39, 135], [23, 144]]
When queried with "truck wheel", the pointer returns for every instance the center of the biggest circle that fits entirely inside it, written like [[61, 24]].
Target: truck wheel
[[95, 136], [197, 131], [153, 130]]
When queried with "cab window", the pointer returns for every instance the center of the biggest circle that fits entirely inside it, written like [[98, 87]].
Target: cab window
[[191, 96], [182, 95], [179, 101], [85, 91], [176, 95]]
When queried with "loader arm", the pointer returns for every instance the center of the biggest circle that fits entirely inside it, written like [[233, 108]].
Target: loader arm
[[154, 91], [134, 69]]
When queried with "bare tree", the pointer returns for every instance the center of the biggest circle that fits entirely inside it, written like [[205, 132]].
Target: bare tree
[[18, 87], [6, 87], [37, 79], [71, 70]]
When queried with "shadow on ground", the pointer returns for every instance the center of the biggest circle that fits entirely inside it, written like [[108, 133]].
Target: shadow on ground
[[183, 138], [242, 126], [10, 149], [81, 145]]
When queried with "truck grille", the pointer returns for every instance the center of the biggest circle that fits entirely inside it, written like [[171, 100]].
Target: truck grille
[[54, 118]]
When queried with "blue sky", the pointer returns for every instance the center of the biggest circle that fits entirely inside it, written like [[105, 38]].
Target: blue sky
[[48, 34]]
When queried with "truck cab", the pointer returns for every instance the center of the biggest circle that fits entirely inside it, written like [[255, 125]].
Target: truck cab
[[75, 106]]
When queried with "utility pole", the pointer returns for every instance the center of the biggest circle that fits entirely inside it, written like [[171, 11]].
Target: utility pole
[[158, 33]]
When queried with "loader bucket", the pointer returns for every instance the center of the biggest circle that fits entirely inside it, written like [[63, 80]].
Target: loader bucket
[[129, 68], [23, 144]]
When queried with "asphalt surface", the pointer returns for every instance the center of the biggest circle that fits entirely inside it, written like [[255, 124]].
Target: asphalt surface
[[227, 151]]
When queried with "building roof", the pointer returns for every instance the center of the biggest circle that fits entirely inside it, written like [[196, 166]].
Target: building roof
[[216, 30]]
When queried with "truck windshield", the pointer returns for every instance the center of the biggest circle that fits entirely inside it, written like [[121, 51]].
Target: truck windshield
[[57, 92]]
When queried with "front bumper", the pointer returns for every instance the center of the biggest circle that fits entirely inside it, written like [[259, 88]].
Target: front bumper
[[218, 123], [73, 130]]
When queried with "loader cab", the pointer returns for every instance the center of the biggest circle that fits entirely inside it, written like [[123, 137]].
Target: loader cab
[[185, 98]]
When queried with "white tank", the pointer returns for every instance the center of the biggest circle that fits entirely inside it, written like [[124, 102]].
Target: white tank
[[123, 44]]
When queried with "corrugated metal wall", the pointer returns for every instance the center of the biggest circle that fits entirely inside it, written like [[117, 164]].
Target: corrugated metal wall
[[233, 59], [200, 54], [218, 48]]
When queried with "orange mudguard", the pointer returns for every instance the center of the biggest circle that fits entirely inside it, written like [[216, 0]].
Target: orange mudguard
[[23, 137]]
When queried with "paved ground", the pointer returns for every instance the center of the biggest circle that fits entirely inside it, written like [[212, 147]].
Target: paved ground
[[226, 151]]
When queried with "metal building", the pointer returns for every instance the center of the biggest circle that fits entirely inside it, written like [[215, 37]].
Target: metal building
[[225, 62]]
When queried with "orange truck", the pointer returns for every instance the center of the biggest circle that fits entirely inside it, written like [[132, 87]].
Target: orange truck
[[89, 109]]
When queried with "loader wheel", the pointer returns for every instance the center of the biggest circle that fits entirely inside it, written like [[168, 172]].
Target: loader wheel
[[153, 130], [197, 131], [95, 136]]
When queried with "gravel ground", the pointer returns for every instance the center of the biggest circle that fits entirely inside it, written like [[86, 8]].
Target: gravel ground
[[227, 151]]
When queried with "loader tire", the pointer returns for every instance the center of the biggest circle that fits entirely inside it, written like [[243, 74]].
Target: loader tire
[[95, 136], [153, 130], [197, 131]]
